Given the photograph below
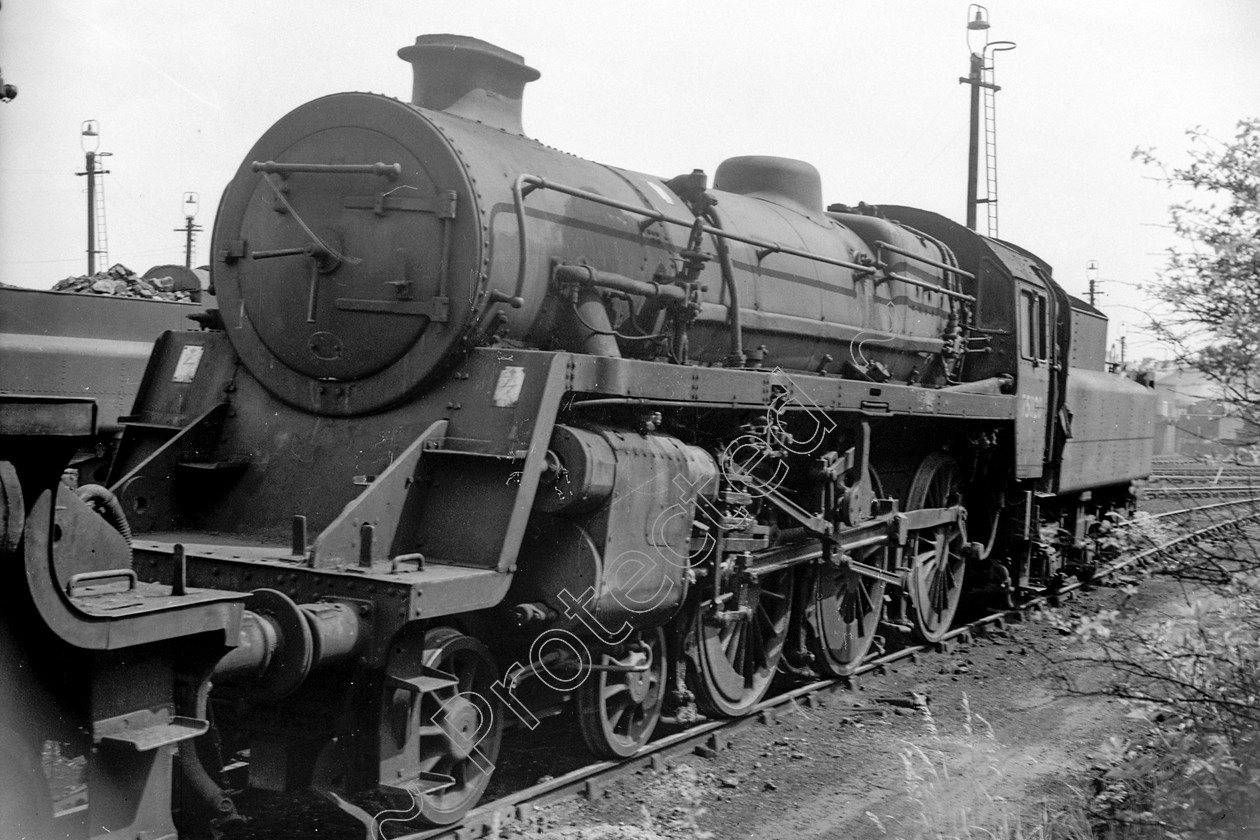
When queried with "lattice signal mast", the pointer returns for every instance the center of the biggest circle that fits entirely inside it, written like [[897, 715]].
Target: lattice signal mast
[[97, 240], [192, 202], [1091, 274], [983, 90]]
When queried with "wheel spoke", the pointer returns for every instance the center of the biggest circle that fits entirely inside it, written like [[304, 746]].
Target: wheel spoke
[[468, 675], [854, 602], [732, 639], [613, 689], [747, 639], [859, 606], [459, 772], [756, 648], [615, 717]]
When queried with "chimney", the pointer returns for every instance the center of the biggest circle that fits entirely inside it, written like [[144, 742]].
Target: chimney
[[469, 78]]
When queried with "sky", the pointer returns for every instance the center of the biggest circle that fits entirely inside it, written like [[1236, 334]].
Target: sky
[[866, 90]]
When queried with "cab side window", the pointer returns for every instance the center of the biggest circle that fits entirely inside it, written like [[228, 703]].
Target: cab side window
[[1032, 325]]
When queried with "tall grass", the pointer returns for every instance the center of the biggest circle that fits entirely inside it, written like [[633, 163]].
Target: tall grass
[[954, 786]]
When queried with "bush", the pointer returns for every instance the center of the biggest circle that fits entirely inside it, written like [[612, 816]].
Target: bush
[[1193, 680]]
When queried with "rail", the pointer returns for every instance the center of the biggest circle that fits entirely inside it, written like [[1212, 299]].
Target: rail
[[1215, 475], [1206, 508], [1199, 490]]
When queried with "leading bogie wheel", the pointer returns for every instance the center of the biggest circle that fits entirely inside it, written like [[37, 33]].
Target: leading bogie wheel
[[936, 556], [460, 727], [737, 649], [618, 710]]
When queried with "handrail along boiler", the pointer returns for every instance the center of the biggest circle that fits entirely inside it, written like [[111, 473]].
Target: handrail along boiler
[[482, 426]]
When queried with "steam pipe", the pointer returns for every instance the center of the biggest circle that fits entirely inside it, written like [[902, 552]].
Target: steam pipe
[[586, 275], [593, 319], [192, 699]]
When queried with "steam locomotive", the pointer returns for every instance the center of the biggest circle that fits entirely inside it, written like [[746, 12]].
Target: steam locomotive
[[481, 429]]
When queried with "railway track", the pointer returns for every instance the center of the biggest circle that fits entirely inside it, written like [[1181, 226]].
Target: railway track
[[1186, 470], [592, 779], [1206, 478], [1159, 461], [1200, 491], [1184, 478]]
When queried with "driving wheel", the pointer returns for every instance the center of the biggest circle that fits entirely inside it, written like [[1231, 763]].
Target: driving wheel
[[844, 615], [935, 555], [845, 609], [737, 648]]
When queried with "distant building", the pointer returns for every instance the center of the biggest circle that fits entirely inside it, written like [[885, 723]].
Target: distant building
[[1191, 418]]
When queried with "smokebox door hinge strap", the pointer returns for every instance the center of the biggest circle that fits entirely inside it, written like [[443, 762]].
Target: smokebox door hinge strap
[[322, 246]]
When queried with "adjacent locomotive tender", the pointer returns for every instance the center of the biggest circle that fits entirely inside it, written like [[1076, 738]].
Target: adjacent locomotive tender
[[482, 428]]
